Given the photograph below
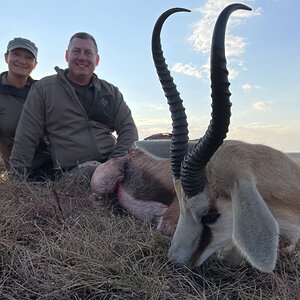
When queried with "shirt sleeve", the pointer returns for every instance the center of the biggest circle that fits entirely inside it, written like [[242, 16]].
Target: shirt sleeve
[[124, 125]]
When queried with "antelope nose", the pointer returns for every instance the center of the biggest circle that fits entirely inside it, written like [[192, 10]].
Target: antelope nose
[[178, 259]]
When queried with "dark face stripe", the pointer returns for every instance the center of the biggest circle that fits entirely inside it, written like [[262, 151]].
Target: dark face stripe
[[205, 240], [141, 184]]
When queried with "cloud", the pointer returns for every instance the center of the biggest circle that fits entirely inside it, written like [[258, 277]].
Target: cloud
[[234, 45], [202, 32], [199, 72], [149, 107], [233, 72], [148, 127], [187, 69], [280, 136], [247, 87], [201, 38], [147, 122], [262, 105], [160, 107], [263, 126]]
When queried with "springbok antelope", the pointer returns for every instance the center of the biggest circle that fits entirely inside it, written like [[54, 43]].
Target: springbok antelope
[[232, 195], [213, 218]]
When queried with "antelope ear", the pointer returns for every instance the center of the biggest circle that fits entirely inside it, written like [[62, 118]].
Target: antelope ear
[[255, 230]]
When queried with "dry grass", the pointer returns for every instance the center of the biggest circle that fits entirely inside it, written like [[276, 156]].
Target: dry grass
[[56, 243]]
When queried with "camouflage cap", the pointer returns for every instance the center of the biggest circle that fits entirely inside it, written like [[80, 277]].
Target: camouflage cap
[[23, 43]]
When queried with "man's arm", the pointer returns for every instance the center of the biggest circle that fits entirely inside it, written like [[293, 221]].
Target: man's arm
[[125, 127], [29, 131]]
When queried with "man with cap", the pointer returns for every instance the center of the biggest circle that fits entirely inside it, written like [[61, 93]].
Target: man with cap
[[21, 58]]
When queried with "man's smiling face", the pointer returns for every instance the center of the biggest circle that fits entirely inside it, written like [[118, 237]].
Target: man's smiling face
[[82, 59]]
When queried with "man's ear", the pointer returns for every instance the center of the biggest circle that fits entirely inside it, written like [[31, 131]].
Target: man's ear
[[67, 55], [97, 59], [6, 57]]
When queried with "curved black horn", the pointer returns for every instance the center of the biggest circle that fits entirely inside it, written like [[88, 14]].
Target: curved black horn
[[192, 172], [179, 144]]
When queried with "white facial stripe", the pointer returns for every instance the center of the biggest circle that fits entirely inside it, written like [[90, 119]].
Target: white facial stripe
[[185, 240], [198, 205], [189, 230]]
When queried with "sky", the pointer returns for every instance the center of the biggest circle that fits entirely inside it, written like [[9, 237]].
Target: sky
[[262, 49]]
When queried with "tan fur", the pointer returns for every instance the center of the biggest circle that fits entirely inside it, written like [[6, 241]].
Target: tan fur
[[159, 168], [277, 175], [169, 219]]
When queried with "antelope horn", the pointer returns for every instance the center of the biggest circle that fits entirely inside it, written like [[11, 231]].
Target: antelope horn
[[179, 142], [192, 175]]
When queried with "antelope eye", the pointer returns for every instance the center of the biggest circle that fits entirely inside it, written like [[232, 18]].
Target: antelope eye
[[210, 218]]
